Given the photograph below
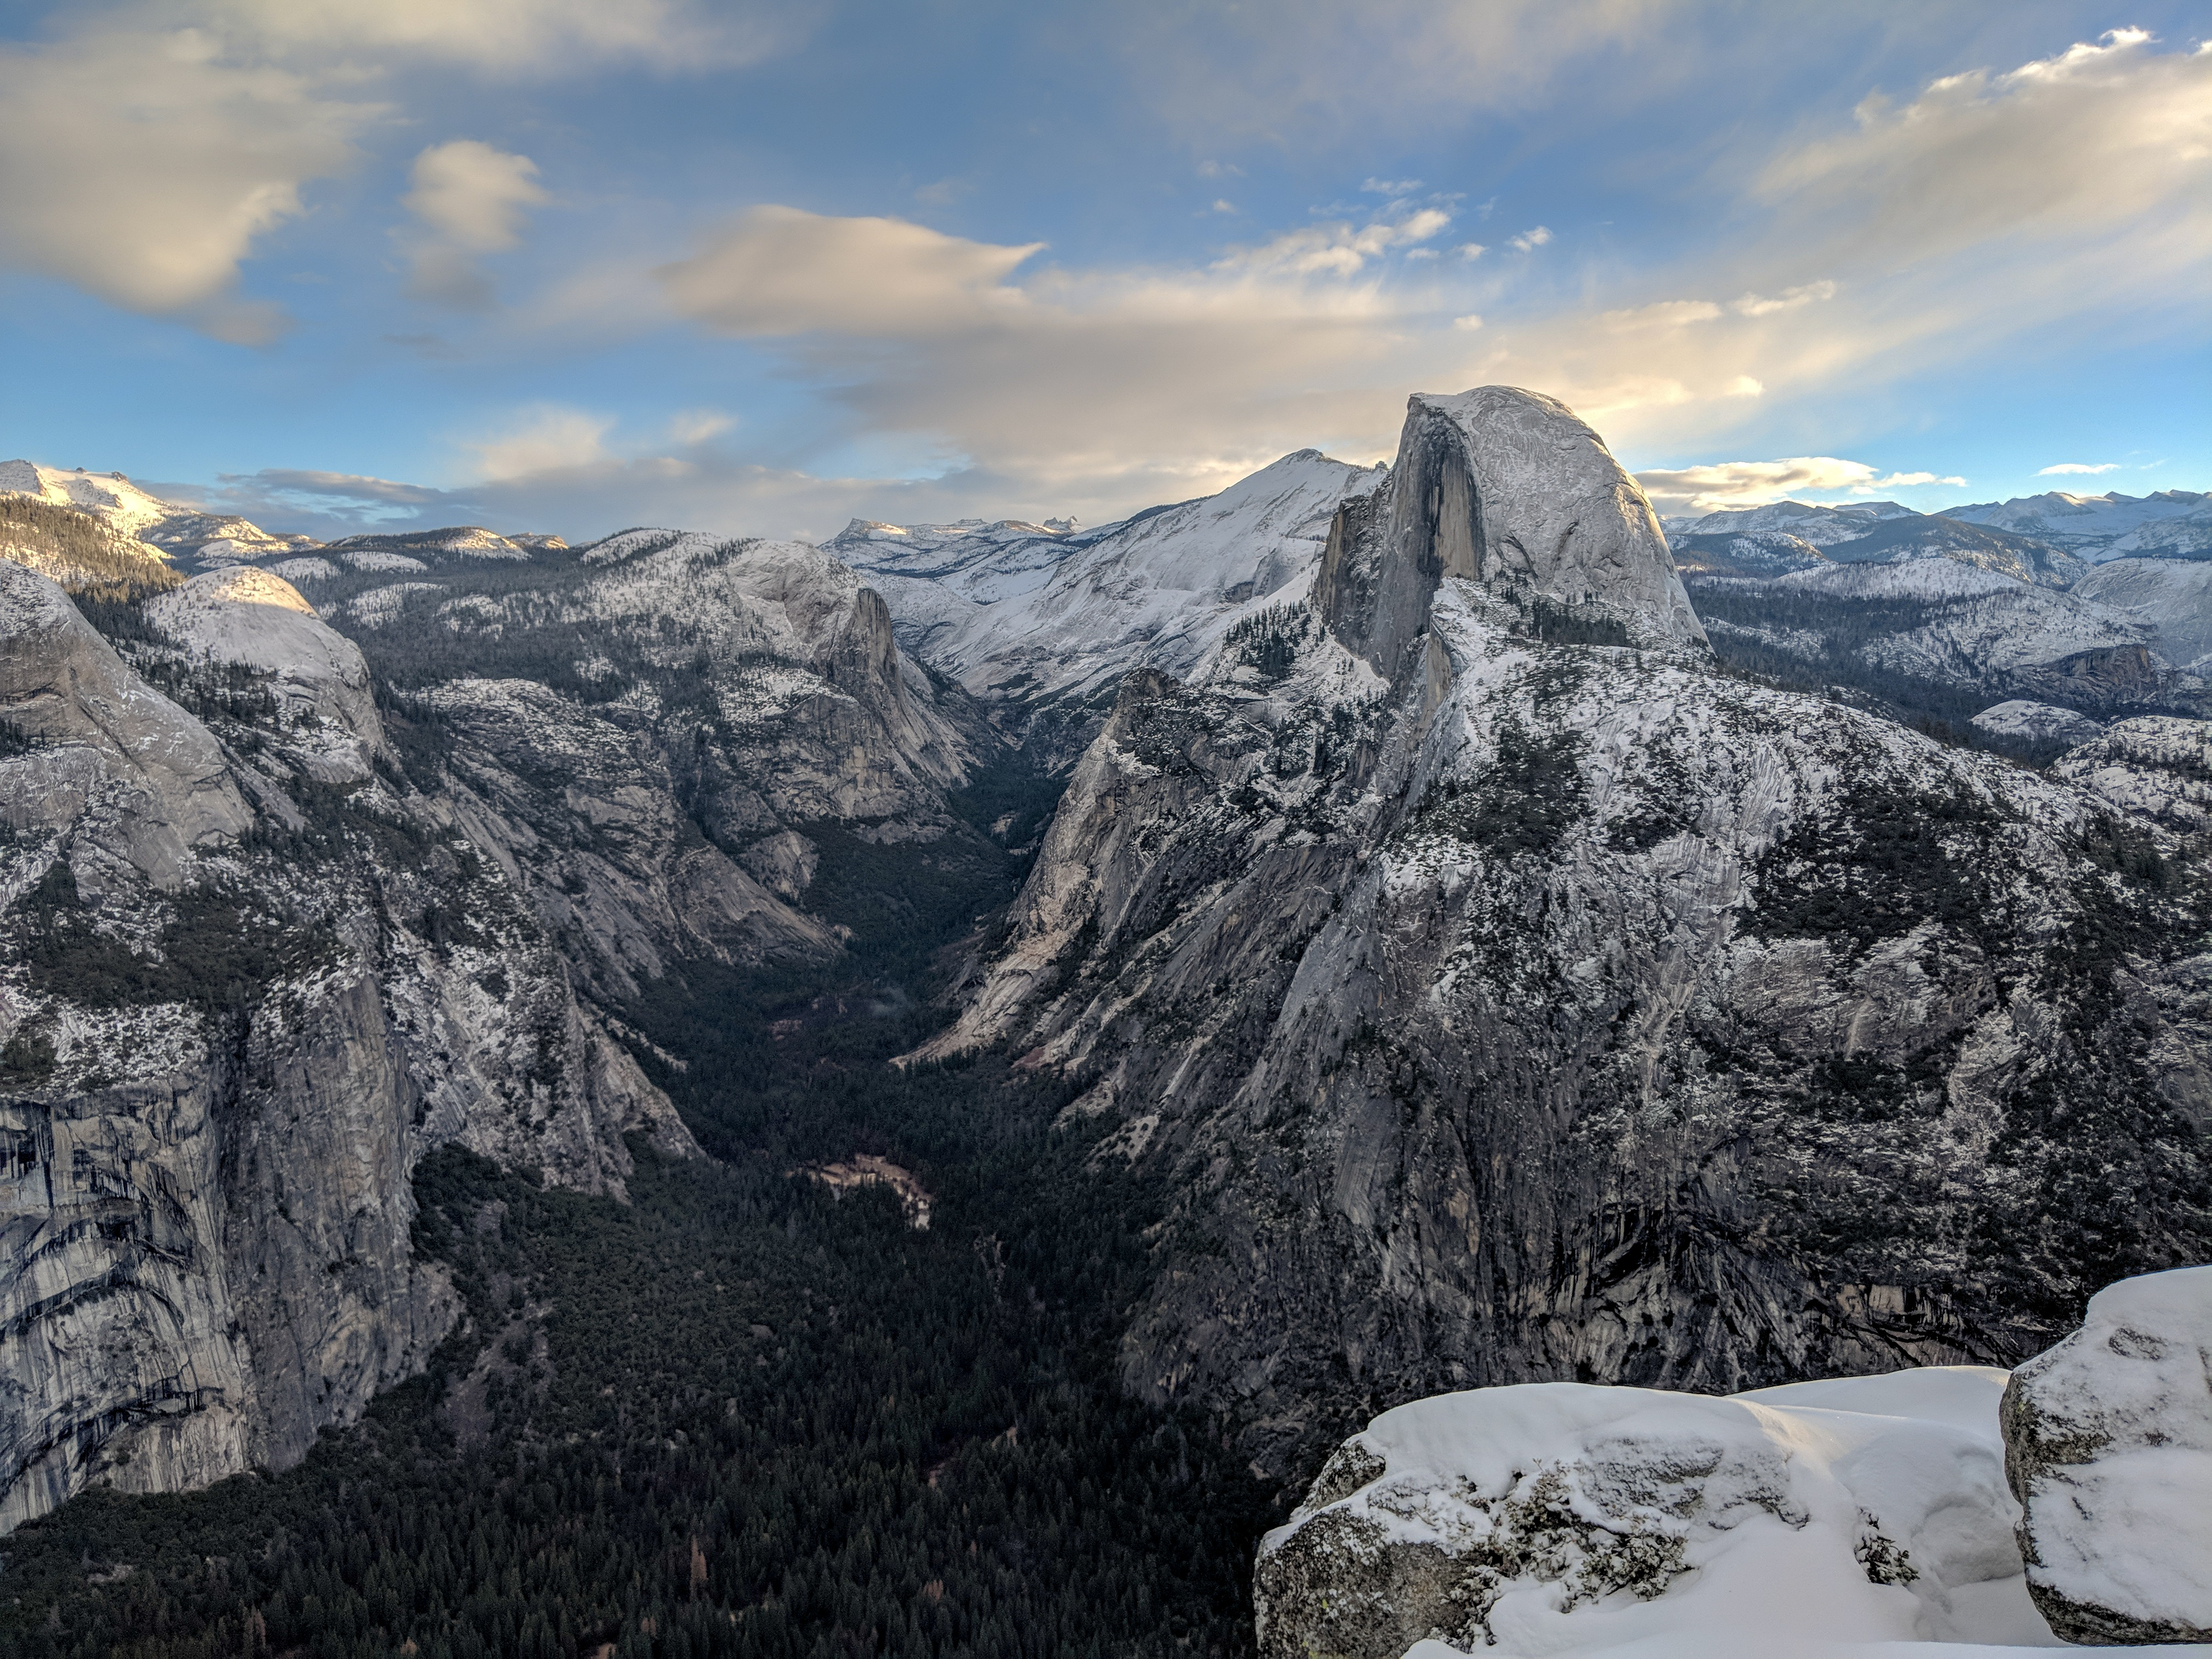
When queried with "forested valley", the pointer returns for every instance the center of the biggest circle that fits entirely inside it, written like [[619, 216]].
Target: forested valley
[[739, 1415]]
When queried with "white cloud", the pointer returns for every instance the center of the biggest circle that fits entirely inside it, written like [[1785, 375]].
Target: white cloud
[[688, 427], [2064, 467], [1224, 206], [1391, 186], [1529, 240], [1993, 208], [503, 38], [148, 150], [1471, 250], [1664, 315], [1755, 483], [545, 438], [778, 271], [143, 169], [2061, 150], [1468, 324], [470, 199], [1338, 250], [1753, 304], [1219, 170]]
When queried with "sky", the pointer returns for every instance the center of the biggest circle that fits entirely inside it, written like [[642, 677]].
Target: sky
[[573, 265]]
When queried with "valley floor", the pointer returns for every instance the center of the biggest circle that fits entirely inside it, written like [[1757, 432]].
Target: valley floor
[[740, 1415]]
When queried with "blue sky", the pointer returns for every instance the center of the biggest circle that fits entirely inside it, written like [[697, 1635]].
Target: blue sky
[[571, 265]]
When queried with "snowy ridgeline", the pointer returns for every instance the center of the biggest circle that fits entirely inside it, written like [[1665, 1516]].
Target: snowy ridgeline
[[2169, 524], [1838, 1518]]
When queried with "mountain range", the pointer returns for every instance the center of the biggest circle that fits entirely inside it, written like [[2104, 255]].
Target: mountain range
[[1512, 940]]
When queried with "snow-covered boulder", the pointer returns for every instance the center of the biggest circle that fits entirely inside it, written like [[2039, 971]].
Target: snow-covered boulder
[[1560, 1519], [2036, 722], [2108, 1446]]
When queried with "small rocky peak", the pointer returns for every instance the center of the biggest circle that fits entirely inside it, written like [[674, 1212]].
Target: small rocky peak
[[1509, 488]]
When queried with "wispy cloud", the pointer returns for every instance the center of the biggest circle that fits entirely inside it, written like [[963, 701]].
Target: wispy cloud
[[777, 271], [1338, 249], [1529, 240], [542, 438], [2065, 467], [469, 200], [1756, 483]]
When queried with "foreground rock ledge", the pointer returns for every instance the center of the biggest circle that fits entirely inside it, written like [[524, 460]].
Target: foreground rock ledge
[[2108, 1448], [1563, 1519]]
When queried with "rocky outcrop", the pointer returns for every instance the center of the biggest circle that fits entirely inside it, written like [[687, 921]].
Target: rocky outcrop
[[1554, 1518], [140, 782], [270, 931], [2034, 723], [1040, 622], [1502, 1008], [227, 1033], [1507, 489], [1919, 631], [584, 813], [315, 675], [2108, 1448], [2157, 767]]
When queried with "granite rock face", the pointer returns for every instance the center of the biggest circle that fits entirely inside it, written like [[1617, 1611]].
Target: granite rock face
[[1507, 995], [238, 1001], [2108, 1447], [102, 752], [2154, 766], [315, 675], [1509, 489]]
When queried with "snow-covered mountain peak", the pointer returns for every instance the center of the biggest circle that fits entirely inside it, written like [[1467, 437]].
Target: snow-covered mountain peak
[[108, 496], [2173, 522]]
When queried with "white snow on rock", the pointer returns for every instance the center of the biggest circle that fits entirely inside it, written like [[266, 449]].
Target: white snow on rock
[[254, 618], [1859, 1516], [2156, 766], [2108, 1441], [467, 541], [2098, 528], [2037, 722], [1156, 589], [1994, 621], [979, 562], [381, 605], [2171, 596], [107, 495], [383, 561], [1819, 526], [308, 569]]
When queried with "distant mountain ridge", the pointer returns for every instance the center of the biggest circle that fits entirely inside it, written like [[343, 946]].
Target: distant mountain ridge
[[208, 541]]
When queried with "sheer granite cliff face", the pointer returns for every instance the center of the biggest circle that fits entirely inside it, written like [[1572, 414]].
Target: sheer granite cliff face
[[1510, 996], [236, 1004]]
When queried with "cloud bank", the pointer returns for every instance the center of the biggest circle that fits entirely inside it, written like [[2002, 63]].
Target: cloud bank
[[1755, 483]]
